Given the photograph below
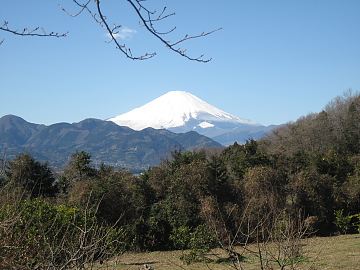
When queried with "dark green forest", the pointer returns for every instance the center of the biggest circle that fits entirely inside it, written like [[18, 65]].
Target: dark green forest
[[307, 171]]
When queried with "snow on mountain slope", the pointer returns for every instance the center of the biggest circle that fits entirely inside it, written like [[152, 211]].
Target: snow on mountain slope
[[178, 110]]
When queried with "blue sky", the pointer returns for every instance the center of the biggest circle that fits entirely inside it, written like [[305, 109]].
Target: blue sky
[[272, 62]]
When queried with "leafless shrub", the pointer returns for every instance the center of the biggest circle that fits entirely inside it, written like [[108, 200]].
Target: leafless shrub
[[275, 238]]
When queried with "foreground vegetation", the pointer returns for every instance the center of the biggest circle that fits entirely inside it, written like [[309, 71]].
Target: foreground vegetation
[[303, 180]]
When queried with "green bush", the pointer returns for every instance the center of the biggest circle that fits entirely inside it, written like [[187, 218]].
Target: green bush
[[36, 234], [200, 241], [180, 237], [347, 223]]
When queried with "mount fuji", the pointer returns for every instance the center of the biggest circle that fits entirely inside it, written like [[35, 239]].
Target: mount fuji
[[180, 111]]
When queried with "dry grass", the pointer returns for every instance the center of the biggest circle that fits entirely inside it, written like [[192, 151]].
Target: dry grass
[[337, 252]]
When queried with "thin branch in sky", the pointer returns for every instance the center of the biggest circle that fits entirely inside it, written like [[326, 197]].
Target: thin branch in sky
[[149, 25], [38, 32], [148, 19]]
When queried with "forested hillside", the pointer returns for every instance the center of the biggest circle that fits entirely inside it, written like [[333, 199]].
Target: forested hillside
[[114, 145], [303, 179]]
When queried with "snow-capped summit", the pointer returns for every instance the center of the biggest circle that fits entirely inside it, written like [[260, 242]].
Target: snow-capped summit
[[176, 109], [180, 111]]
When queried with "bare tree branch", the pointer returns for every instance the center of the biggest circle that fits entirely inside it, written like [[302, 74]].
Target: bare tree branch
[[148, 20], [38, 32], [149, 25]]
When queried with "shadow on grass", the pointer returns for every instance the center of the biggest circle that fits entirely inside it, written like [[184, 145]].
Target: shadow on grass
[[142, 263]]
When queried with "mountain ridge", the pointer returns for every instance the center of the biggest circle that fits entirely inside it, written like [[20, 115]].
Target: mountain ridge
[[104, 140]]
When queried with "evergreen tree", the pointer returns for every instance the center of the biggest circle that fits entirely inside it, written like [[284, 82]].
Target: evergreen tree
[[27, 173]]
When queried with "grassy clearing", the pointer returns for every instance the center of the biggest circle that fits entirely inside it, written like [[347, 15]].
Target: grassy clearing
[[337, 252]]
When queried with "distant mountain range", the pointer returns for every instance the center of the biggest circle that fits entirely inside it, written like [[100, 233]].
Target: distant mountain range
[[106, 141], [135, 140], [180, 111]]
